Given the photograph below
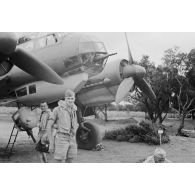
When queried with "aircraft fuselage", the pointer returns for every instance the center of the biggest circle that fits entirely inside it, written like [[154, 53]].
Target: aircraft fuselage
[[69, 56]]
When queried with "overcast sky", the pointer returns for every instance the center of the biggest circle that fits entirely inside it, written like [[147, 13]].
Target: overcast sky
[[153, 44]]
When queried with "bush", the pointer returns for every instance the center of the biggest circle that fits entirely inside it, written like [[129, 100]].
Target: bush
[[145, 132]]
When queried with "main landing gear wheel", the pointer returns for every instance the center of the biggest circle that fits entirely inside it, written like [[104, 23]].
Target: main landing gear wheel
[[88, 136]]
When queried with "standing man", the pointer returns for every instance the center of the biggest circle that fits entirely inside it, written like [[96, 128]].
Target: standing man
[[43, 143], [65, 118]]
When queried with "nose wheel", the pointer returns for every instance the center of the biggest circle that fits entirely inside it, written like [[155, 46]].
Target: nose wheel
[[88, 136]]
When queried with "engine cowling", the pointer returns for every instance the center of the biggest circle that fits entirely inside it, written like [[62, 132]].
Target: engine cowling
[[28, 119], [113, 71], [5, 67]]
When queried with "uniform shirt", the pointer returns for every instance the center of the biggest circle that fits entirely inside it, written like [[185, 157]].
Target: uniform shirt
[[65, 118], [45, 115]]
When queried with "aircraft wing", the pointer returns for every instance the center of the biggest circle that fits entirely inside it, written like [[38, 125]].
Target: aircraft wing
[[35, 67]]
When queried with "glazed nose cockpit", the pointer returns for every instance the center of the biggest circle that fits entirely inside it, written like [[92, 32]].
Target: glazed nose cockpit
[[91, 55], [90, 48]]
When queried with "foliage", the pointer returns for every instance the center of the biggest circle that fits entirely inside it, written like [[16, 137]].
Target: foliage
[[176, 61], [179, 70], [23, 39], [158, 80], [166, 81], [191, 76], [183, 101], [145, 132]]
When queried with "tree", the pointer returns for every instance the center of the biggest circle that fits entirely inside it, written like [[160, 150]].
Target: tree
[[167, 79], [179, 68], [184, 101], [158, 80], [175, 60]]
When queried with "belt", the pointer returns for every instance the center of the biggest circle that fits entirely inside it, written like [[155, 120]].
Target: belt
[[66, 134], [63, 133]]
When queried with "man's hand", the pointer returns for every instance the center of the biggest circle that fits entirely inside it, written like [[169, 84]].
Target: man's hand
[[51, 146], [51, 150]]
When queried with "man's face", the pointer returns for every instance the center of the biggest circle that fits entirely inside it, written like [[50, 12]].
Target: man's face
[[43, 107], [70, 100]]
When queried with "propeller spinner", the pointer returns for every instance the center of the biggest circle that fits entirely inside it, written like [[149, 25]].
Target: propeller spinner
[[24, 60]]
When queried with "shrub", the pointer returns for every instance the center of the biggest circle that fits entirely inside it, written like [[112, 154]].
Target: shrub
[[145, 131]]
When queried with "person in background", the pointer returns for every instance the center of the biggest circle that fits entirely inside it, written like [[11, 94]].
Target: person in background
[[159, 156], [43, 142]]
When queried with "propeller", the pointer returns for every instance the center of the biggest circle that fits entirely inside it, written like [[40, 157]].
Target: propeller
[[129, 51], [8, 42], [26, 61], [124, 89], [145, 87], [133, 74], [128, 82], [33, 66]]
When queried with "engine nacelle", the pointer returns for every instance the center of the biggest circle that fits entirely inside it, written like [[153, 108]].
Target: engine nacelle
[[113, 71], [5, 67], [120, 69]]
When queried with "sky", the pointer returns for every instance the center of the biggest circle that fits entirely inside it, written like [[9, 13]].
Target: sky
[[146, 43]]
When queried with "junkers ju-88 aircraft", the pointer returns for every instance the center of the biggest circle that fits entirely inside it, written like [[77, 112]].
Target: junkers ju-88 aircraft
[[42, 68]]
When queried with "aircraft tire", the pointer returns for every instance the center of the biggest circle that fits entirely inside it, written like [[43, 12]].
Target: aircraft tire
[[88, 139]]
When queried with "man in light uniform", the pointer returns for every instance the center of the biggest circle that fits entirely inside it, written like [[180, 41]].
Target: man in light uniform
[[43, 143], [65, 118]]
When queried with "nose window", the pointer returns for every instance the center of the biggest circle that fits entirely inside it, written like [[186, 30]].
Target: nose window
[[92, 47], [21, 92]]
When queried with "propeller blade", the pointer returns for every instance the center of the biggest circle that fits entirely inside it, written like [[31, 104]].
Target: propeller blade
[[124, 89], [129, 51], [8, 42], [144, 86], [30, 64]]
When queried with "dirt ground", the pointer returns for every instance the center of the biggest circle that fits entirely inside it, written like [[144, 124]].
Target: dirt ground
[[180, 149]]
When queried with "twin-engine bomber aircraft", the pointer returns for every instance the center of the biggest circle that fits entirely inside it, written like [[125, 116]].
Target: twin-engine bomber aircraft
[[42, 68]]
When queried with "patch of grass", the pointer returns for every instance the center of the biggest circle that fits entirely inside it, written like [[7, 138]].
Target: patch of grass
[[125, 114], [145, 132], [173, 124]]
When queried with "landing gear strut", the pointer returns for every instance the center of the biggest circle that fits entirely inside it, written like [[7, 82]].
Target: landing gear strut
[[101, 112]]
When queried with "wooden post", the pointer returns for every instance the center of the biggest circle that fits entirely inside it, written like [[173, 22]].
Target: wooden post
[[160, 132]]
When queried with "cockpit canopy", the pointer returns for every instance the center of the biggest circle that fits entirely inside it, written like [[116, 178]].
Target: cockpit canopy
[[90, 44], [89, 50]]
